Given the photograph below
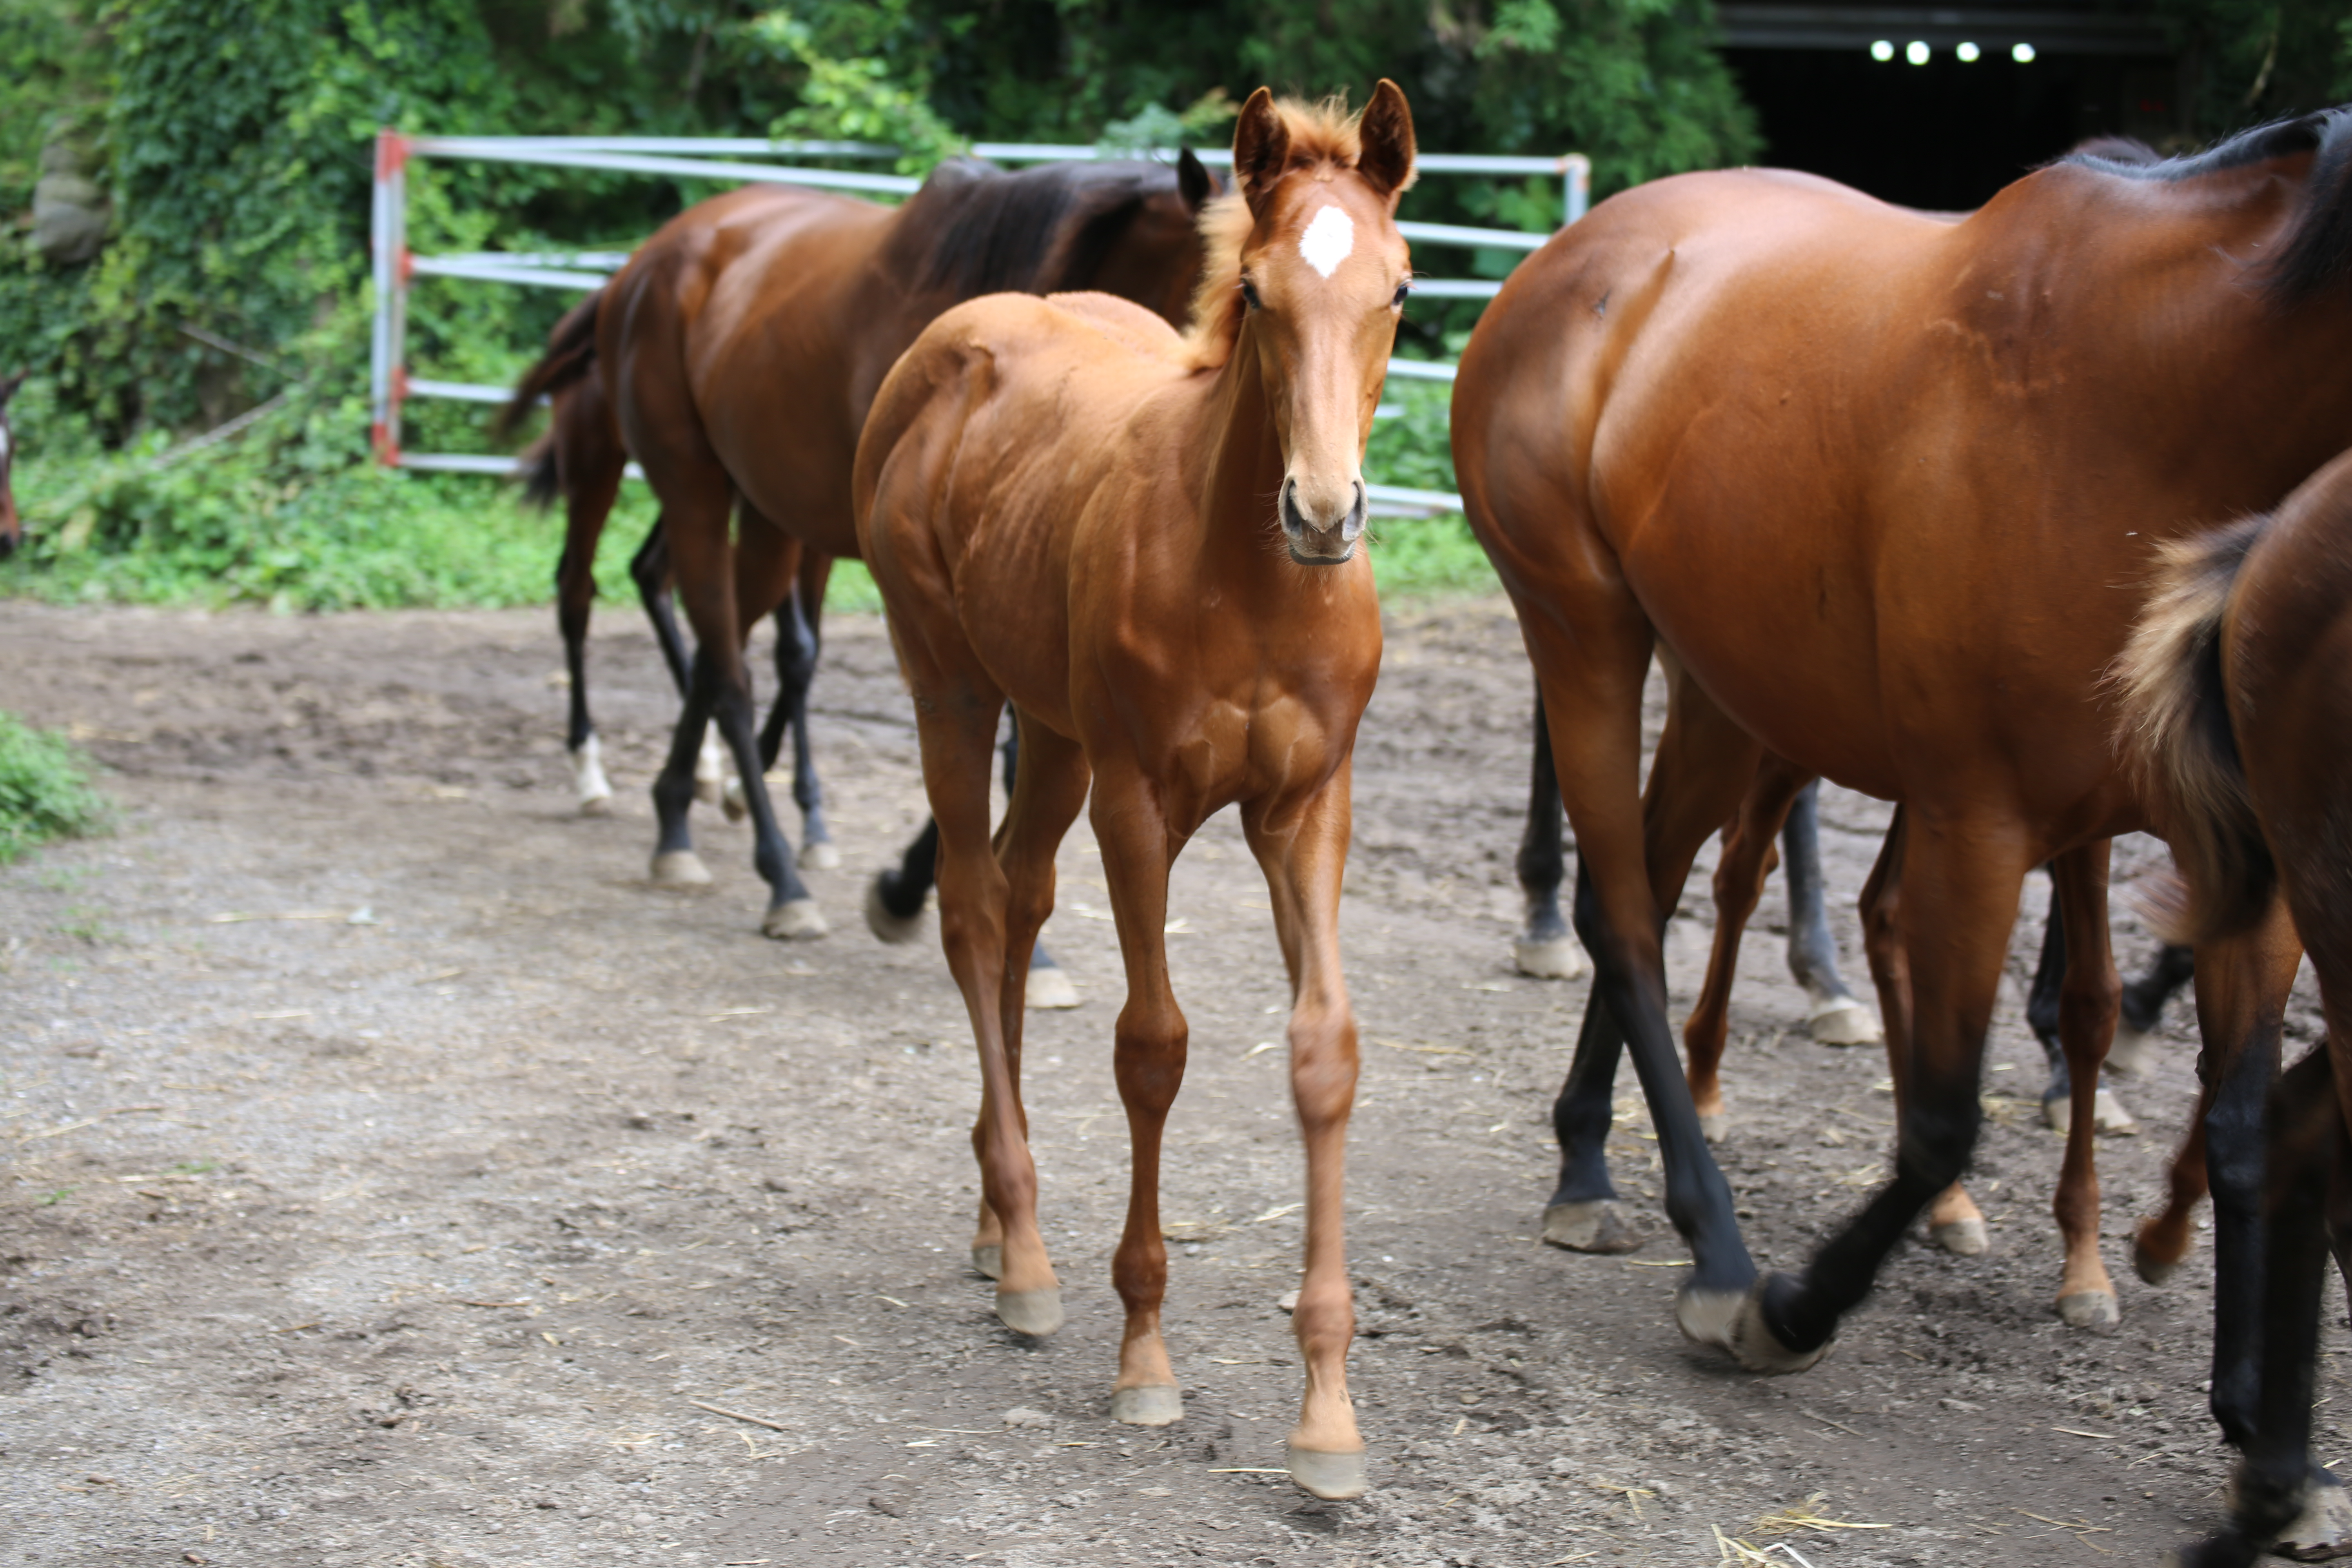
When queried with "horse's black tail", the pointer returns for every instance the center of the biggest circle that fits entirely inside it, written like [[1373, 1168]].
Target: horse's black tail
[[2175, 723], [542, 481], [571, 356]]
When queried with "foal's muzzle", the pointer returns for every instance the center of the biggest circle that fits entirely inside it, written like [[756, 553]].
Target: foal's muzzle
[[1328, 544]]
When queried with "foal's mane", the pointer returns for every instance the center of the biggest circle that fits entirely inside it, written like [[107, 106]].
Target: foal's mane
[[978, 229], [2318, 250], [1322, 135]]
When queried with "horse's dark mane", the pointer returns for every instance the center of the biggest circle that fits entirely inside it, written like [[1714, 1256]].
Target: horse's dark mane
[[2318, 250], [981, 231]]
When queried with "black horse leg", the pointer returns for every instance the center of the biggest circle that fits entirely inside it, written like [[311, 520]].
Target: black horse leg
[[675, 862], [1545, 948], [573, 607], [791, 913], [2276, 1480], [796, 653], [2234, 1166], [1837, 1018], [1584, 1214], [649, 570], [1047, 986]]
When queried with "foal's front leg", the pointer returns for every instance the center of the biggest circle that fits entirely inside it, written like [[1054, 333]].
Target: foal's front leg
[[1303, 847], [1138, 843]]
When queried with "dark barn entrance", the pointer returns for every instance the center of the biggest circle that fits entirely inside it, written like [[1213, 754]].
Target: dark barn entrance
[[1839, 93]]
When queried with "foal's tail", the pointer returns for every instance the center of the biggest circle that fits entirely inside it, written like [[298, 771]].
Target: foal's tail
[[570, 358], [2176, 724]]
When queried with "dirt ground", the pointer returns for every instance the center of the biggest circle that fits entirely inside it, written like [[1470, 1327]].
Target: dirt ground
[[393, 1176]]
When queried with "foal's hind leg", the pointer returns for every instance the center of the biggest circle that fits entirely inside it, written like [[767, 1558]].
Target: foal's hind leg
[[1836, 1019], [2043, 1010], [2086, 1022], [1047, 989], [1739, 873], [1302, 846]]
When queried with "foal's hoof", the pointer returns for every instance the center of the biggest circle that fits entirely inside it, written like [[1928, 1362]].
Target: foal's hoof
[[1559, 958], [895, 929], [1713, 1128], [1152, 1405], [1842, 1021], [795, 921], [819, 855], [730, 800], [1602, 1226], [2107, 1114], [1757, 1348], [596, 805], [1961, 1238], [989, 1260], [2152, 1269], [2090, 1310], [1047, 989], [1033, 1313], [1334, 1478], [710, 791], [680, 868], [1708, 1317]]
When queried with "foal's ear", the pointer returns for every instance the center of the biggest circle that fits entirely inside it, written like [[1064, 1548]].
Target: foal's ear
[[1261, 148], [1194, 181], [1385, 132]]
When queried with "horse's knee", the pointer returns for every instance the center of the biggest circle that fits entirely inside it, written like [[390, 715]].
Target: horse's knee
[[1323, 1064], [1147, 1051]]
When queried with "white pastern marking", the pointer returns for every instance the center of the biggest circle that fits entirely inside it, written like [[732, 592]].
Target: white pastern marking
[[1329, 240]]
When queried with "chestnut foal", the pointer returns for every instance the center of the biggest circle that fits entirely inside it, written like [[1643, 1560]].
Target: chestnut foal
[[1149, 545]]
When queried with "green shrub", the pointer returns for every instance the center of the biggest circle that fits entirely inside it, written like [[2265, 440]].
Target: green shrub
[[45, 789]]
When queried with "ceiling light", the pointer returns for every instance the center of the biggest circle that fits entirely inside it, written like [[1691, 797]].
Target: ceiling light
[[1967, 53], [1916, 52], [2022, 53], [1882, 50]]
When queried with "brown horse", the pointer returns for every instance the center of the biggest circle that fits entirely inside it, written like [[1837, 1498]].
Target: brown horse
[[1148, 545], [735, 356], [2239, 704], [1885, 490], [12, 527]]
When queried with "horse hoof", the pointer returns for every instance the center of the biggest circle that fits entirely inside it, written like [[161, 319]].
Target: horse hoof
[[1561, 958], [1047, 989], [2090, 1310], [2058, 1113], [710, 792], [1033, 1313], [2323, 1531], [1708, 1317], [1758, 1349], [1153, 1405], [1334, 1478], [1962, 1238], [1713, 1128], [2108, 1115], [1842, 1021], [1601, 1225], [819, 855], [895, 929], [597, 804], [2128, 1055], [989, 1260], [679, 868], [730, 800], [796, 921], [2152, 1269]]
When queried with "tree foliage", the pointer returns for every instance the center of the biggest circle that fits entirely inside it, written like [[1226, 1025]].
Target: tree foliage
[[2259, 59]]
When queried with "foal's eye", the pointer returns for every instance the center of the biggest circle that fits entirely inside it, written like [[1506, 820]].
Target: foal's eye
[[1249, 293], [1402, 290]]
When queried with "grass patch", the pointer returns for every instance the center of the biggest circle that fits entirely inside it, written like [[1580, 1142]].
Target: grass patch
[[45, 789]]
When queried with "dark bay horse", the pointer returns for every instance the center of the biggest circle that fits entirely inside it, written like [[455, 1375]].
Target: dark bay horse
[[12, 527], [1148, 545], [2239, 703], [735, 356], [1885, 492]]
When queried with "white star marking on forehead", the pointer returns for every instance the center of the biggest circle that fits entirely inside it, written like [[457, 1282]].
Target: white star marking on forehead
[[1329, 240]]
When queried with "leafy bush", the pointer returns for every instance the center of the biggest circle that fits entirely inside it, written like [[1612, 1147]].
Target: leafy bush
[[45, 789]]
